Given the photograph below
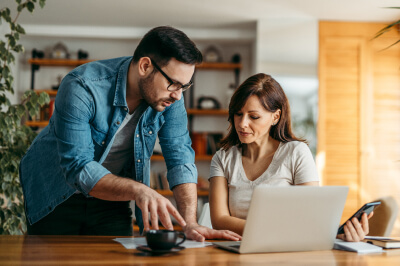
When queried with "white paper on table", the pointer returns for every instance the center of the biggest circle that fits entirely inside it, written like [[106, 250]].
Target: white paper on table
[[359, 247], [132, 243]]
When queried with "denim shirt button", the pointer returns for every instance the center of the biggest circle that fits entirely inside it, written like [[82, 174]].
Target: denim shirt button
[[137, 135], [126, 109], [118, 123], [103, 142], [150, 132], [138, 161]]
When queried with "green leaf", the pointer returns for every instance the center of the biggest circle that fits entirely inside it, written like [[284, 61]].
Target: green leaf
[[30, 6], [11, 41], [6, 15], [26, 94], [18, 1], [5, 72], [20, 29], [34, 99], [43, 98], [18, 48], [386, 29], [7, 11], [42, 3], [391, 45], [21, 110], [10, 58]]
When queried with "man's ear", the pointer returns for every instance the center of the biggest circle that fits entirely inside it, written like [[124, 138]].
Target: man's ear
[[144, 66]]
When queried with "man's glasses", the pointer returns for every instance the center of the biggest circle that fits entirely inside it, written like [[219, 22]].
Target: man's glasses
[[173, 86]]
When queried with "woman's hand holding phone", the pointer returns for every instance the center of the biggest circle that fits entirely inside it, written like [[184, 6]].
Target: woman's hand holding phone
[[355, 230]]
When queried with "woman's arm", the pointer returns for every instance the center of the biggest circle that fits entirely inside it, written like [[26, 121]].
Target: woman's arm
[[219, 208]]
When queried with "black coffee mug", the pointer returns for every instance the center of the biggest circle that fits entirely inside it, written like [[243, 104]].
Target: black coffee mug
[[163, 239]]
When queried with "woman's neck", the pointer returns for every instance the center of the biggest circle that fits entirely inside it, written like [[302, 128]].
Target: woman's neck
[[260, 150]]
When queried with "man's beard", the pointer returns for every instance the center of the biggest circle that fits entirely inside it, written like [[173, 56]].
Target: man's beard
[[148, 93]]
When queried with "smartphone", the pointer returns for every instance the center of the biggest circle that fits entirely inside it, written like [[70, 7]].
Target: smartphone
[[367, 208]]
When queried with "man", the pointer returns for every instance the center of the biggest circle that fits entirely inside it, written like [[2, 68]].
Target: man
[[82, 170]]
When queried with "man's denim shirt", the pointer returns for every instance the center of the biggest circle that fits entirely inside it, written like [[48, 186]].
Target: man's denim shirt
[[90, 106]]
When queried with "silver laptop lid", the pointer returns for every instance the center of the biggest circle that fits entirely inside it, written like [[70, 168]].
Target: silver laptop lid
[[295, 218]]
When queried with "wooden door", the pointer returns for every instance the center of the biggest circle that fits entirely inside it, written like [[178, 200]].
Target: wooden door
[[359, 112]]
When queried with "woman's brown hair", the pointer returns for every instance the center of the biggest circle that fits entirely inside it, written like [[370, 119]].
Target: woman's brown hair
[[272, 97]]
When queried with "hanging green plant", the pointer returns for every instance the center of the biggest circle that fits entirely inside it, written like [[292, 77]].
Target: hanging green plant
[[15, 137]]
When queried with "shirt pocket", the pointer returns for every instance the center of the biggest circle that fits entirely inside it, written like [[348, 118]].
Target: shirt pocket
[[99, 141], [150, 135]]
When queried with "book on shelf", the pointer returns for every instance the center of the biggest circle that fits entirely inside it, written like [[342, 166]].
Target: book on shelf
[[385, 242], [205, 143]]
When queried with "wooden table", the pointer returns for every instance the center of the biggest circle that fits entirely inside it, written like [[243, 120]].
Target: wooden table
[[102, 250]]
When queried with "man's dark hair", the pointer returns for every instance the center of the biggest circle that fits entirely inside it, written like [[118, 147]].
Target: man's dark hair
[[163, 43]]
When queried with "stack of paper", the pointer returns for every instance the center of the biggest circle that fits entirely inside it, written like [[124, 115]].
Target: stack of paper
[[359, 247]]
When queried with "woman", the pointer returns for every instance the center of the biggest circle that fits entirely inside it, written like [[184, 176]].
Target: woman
[[260, 148]]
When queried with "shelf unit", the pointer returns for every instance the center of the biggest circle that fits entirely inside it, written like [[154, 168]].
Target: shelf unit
[[220, 66], [37, 62]]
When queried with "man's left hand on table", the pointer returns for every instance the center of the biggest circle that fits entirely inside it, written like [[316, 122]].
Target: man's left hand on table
[[200, 233]]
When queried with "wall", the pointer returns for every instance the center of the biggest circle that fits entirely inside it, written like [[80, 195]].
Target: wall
[[287, 49]]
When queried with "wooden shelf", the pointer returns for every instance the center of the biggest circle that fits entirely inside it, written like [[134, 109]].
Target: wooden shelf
[[197, 158], [57, 62], [36, 123], [220, 112], [51, 93], [220, 66]]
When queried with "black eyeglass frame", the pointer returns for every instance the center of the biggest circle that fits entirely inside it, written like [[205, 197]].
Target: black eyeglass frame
[[171, 82]]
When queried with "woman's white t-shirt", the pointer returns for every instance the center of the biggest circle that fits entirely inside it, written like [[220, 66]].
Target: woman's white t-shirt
[[292, 164]]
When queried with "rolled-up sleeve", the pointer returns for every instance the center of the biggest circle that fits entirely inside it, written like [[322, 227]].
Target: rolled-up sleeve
[[176, 146], [74, 109]]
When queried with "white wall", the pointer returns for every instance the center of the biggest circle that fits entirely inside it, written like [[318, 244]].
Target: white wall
[[288, 51]]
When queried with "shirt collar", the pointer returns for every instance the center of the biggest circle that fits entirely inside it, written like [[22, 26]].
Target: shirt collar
[[120, 88]]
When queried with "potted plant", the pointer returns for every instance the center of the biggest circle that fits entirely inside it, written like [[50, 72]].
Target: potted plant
[[15, 137]]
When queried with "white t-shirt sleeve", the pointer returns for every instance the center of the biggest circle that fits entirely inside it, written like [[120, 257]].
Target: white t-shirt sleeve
[[304, 165], [217, 168]]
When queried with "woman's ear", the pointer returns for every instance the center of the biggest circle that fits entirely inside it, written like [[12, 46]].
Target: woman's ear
[[276, 116], [144, 66]]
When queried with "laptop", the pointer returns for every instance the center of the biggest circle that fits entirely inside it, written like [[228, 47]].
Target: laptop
[[296, 218]]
